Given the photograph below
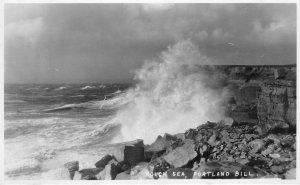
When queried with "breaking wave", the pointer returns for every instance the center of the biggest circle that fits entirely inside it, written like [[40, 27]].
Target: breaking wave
[[173, 94], [88, 87]]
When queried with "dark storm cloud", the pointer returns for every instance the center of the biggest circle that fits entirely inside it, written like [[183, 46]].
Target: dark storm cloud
[[107, 42]]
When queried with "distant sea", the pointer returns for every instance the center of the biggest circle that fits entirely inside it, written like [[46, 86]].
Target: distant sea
[[46, 125]]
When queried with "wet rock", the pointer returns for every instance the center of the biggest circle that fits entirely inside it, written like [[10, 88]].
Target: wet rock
[[290, 174], [103, 162], [212, 140], [180, 156], [274, 156], [270, 149], [258, 130], [90, 173], [274, 138], [134, 154], [243, 161], [277, 169], [256, 145], [110, 171], [72, 167], [124, 166], [287, 141], [190, 134]]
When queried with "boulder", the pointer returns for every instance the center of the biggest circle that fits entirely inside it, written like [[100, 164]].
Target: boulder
[[110, 171], [290, 174], [277, 169], [256, 145], [90, 173], [72, 167], [133, 154], [103, 161], [180, 156]]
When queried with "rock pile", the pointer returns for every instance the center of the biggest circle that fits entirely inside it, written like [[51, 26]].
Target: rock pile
[[212, 150]]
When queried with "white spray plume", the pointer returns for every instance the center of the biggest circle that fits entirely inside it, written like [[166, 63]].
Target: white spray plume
[[172, 95]]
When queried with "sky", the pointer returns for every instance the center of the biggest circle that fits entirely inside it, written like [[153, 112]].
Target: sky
[[84, 43]]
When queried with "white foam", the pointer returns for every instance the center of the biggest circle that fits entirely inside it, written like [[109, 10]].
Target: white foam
[[171, 96], [87, 87]]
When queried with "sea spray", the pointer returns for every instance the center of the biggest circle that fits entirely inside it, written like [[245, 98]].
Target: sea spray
[[173, 94]]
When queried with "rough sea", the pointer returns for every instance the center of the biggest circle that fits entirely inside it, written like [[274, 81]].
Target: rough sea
[[48, 125]]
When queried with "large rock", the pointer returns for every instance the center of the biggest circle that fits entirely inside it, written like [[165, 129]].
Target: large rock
[[72, 167], [110, 171], [103, 161], [90, 173], [256, 146], [133, 154], [180, 156]]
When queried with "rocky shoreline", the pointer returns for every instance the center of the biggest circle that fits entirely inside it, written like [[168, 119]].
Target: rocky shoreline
[[256, 140]]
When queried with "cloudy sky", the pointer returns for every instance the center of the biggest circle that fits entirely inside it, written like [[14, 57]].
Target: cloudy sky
[[78, 43]]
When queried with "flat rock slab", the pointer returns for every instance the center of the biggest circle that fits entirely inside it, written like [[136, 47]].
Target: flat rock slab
[[181, 155]]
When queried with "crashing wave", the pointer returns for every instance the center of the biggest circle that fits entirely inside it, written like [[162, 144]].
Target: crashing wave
[[172, 95]]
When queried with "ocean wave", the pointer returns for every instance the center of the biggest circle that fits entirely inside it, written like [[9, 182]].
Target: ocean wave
[[14, 101], [88, 87], [80, 95], [61, 88], [102, 86], [23, 167], [116, 92], [68, 107]]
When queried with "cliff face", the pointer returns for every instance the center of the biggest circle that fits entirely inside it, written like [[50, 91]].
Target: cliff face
[[265, 96], [276, 105]]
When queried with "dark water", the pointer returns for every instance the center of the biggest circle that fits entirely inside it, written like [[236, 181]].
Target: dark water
[[47, 125]]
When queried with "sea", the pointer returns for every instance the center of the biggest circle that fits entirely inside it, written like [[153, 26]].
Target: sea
[[47, 125]]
